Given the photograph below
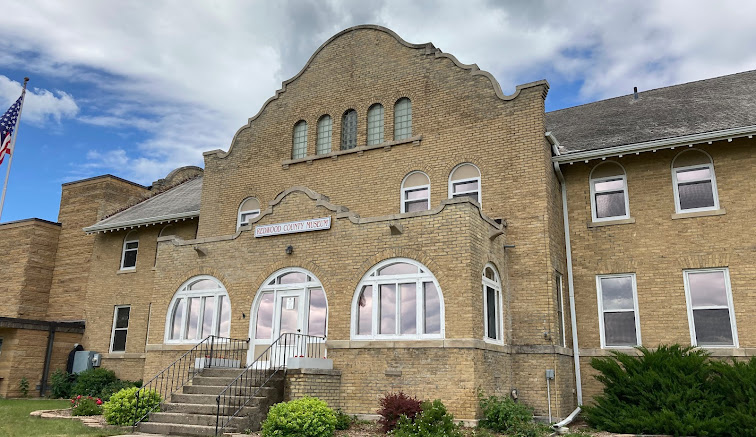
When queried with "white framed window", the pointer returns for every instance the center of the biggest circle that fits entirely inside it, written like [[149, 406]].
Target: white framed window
[[618, 311], [199, 308], [299, 142], [398, 298], [710, 310], [694, 182], [349, 130], [559, 301], [492, 305], [375, 124], [609, 199], [249, 209], [402, 119], [129, 253], [464, 181], [415, 192], [120, 328], [325, 127]]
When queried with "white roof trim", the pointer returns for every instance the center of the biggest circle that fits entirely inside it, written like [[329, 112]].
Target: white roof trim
[[108, 227]]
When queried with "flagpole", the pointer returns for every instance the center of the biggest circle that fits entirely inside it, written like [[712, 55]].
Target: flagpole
[[12, 147]]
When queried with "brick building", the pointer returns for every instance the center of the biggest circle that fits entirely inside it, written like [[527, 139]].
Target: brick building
[[444, 237]]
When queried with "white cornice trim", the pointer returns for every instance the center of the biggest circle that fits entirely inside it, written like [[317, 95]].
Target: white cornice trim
[[107, 227]]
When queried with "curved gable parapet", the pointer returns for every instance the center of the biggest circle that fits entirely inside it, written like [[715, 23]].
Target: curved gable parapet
[[428, 48]]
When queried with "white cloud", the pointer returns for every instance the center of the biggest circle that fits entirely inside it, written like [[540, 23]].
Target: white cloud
[[40, 105]]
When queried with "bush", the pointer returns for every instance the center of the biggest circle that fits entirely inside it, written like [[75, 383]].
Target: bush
[[23, 386], [91, 382], [502, 414], [122, 409], [61, 384], [393, 406], [433, 421], [114, 387], [306, 417], [86, 406], [343, 421]]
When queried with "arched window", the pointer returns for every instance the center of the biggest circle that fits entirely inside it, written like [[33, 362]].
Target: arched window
[[323, 145], [200, 308], [398, 298], [129, 252], [402, 119], [415, 192], [249, 209], [375, 124], [299, 147], [464, 181], [694, 183], [349, 130], [609, 199], [492, 306]]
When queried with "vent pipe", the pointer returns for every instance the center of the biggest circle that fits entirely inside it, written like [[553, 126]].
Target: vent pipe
[[635, 93]]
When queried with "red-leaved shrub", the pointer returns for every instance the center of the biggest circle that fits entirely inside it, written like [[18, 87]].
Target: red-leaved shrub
[[393, 406]]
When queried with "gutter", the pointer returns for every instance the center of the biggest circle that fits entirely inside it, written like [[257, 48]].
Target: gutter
[[143, 222]]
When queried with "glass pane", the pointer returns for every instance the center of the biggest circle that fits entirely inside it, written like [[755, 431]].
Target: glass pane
[[387, 317], [193, 315], [432, 309], [132, 245], [365, 323], [713, 327], [299, 149], [178, 318], [225, 317], [289, 315], [375, 125], [324, 135], [613, 185], [696, 195], [264, 326], [207, 317], [408, 307], [122, 317], [403, 119], [421, 193], [473, 195], [204, 284], [129, 258], [695, 174], [491, 313], [119, 340], [490, 274], [292, 278], [248, 215], [617, 293], [349, 130], [398, 269], [417, 205], [619, 329], [465, 186], [316, 323], [707, 289], [610, 204]]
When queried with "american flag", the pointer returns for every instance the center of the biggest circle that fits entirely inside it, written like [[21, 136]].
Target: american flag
[[7, 125]]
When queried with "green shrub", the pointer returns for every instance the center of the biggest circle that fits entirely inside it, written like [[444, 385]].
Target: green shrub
[[433, 421], [306, 417], [61, 384], [86, 406], [122, 409], [114, 387], [503, 414], [23, 386], [396, 405], [91, 382], [343, 421]]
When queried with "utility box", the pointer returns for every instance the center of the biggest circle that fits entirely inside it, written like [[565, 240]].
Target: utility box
[[96, 359], [83, 361]]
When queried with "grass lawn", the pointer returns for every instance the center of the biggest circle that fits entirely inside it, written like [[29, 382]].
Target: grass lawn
[[16, 422]]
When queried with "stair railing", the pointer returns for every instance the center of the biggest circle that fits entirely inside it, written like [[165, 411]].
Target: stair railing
[[273, 360], [213, 351]]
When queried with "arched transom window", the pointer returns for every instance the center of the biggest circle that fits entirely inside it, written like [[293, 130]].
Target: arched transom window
[[248, 209], [200, 308], [464, 181], [398, 298]]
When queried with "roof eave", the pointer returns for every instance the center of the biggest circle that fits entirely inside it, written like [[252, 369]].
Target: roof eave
[[143, 222]]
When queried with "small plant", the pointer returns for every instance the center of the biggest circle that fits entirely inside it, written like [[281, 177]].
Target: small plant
[[23, 385], [503, 414], [91, 382], [393, 406], [61, 384], [343, 421], [306, 417], [86, 406], [433, 421], [122, 407]]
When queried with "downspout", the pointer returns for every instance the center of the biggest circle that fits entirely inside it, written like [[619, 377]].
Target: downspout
[[570, 285], [48, 358]]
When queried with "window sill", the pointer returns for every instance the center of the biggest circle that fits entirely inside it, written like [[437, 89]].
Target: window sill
[[626, 221], [124, 271], [712, 212], [358, 150]]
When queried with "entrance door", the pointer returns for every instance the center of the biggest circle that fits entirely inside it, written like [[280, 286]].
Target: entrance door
[[289, 317]]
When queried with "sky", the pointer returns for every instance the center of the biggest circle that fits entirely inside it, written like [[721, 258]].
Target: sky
[[138, 88]]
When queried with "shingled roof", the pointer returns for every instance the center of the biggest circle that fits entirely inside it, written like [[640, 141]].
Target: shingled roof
[[709, 105], [178, 203]]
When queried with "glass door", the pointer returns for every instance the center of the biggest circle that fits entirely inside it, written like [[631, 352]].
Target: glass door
[[289, 318]]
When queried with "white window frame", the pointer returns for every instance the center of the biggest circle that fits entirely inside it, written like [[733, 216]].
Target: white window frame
[[249, 212], [730, 307], [559, 278], [594, 209], [638, 341], [126, 241], [372, 278], [676, 185], [184, 293], [496, 285], [405, 190], [477, 179], [114, 329]]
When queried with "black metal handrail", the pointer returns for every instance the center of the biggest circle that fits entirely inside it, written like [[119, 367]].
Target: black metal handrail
[[213, 351], [253, 379]]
